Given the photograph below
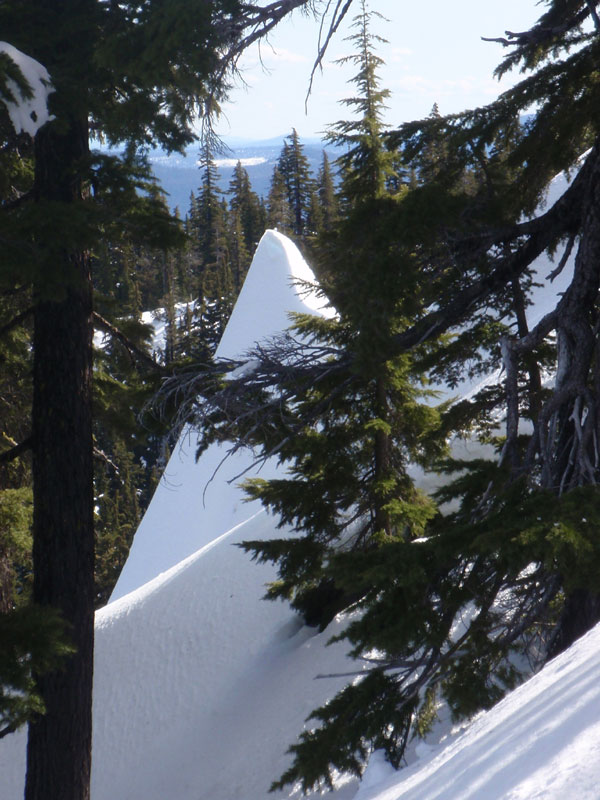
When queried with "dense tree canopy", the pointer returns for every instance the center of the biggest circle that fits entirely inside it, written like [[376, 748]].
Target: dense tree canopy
[[429, 256], [513, 569], [134, 74]]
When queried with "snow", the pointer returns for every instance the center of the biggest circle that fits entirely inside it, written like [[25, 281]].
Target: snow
[[541, 741], [200, 685], [206, 672], [191, 507], [253, 161], [27, 114]]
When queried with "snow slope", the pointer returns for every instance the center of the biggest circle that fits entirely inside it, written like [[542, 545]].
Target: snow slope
[[542, 742], [200, 686], [212, 681], [190, 508]]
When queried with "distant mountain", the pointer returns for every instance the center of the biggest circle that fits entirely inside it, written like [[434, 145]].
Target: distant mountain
[[179, 176]]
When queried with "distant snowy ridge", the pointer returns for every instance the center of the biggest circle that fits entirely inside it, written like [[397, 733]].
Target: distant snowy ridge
[[245, 162]]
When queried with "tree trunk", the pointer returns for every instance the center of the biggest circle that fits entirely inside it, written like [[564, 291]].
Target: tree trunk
[[571, 458], [383, 446], [59, 745], [580, 613]]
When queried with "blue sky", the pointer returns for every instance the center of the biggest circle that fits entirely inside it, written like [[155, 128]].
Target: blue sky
[[434, 54]]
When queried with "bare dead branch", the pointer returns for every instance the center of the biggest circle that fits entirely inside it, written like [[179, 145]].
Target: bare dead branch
[[538, 34], [101, 456], [339, 13], [17, 450], [564, 258]]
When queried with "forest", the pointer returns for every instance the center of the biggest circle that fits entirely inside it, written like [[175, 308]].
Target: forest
[[423, 238]]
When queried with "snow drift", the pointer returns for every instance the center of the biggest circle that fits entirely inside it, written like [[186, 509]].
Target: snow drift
[[200, 685]]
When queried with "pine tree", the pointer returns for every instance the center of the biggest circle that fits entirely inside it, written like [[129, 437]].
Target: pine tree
[[295, 171], [238, 252], [347, 441], [247, 212], [210, 219], [515, 568], [279, 212], [207, 218], [327, 196], [134, 74], [366, 160]]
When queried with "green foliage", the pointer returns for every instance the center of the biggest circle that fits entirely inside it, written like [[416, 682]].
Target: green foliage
[[366, 165], [34, 641], [16, 511], [365, 712], [295, 172], [448, 608], [279, 212], [247, 223]]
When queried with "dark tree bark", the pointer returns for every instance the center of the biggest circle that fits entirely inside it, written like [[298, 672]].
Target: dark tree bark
[[580, 613], [59, 745]]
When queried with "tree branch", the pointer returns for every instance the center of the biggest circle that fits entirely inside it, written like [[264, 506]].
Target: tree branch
[[17, 450], [101, 456], [132, 348], [9, 729], [338, 15], [538, 34], [562, 219], [16, 321]]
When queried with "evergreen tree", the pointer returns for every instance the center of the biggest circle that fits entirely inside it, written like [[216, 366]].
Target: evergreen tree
[[366, 165], [347, 440], [210, 231], [295, 171], [314, 216], [246, 205], [279, 212], [515, 568], [239, 254], [327, 196], [135, 74], [33, 640]]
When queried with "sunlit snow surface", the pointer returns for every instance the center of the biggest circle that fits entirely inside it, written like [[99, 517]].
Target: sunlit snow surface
[[193, 504], [200, 685], [27, 114], [542, 742]]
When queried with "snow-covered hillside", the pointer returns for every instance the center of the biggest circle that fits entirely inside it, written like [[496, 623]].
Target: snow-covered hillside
[[542, 742], [191, 508], [200, 685]]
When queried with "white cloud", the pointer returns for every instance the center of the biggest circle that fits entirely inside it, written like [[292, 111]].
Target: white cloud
[[400, 53]]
